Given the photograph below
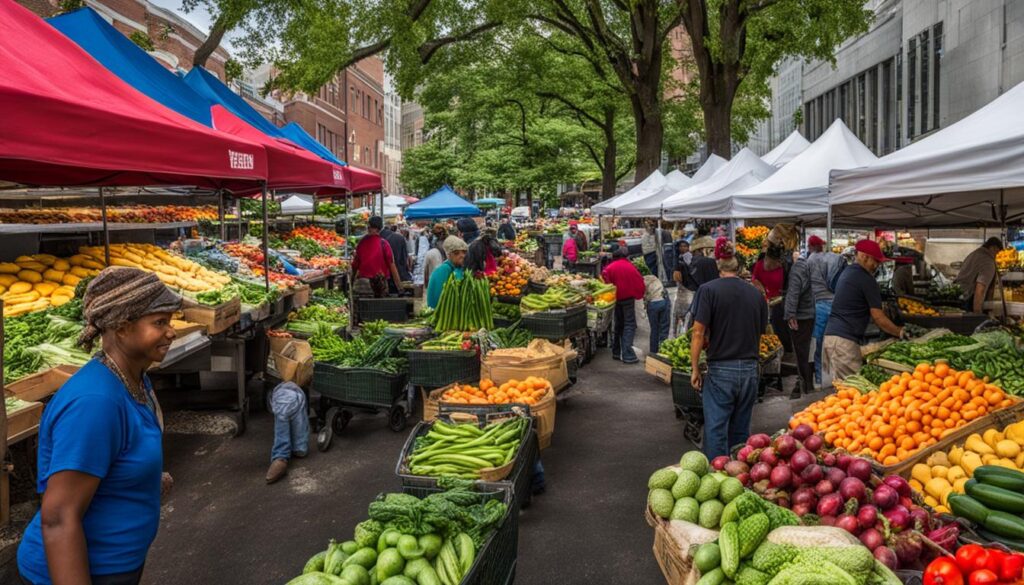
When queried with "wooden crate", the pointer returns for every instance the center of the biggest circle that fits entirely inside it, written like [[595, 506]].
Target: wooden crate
[[216, 319], [40, 386], [23, 422]]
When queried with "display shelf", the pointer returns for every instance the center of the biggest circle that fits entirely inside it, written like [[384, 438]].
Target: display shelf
[[66, 228], [183, 347]]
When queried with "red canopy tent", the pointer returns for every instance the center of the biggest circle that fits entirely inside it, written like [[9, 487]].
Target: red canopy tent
[[361, 180], [68, 121]]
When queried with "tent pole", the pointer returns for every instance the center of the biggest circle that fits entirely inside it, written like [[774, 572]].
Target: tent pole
[[238, 206], [1002, 237], [220, 215], [828, 228], [106, 230], [266, 251]]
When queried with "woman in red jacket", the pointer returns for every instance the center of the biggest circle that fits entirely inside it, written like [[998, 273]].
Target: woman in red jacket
[[629, 287]]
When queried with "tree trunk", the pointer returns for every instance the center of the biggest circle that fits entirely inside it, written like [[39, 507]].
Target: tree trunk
[[608, 171], [649, 132], [205, 51], [718, 125]]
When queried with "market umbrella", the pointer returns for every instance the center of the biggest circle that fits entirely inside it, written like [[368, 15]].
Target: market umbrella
[[69, 121], [443, 203], [969, 173]]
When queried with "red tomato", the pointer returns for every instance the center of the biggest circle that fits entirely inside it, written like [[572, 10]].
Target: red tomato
[[943, 571], [1012, 567], [994, 560], [971, 557], [982, 577]]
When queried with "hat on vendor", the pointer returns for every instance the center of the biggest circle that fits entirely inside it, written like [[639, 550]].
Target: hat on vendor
[[871, 249], [454, 244], [702, 243], [815, 242]]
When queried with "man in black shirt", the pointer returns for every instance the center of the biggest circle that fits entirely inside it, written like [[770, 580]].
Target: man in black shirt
[[505, 230], [858, 301], [729, 319], [400, 250]]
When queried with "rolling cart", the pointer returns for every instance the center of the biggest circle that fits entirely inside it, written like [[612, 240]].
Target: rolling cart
[[345, 390]]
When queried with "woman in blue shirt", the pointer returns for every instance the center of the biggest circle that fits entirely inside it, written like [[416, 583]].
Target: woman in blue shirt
[[100, 453], [455, 250]]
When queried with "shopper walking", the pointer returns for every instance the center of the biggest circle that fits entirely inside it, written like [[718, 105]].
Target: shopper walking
[[455, 250], [400, 255], [291, 428], [770, 277], [435, 255], [649, 248], [468, 230], [100, 456], [858, 301], [629, 287], [658, 311], [684, 286], [374, 263], [483, 253], [730, 318], [506, 231], [799, 316], [822, 267]]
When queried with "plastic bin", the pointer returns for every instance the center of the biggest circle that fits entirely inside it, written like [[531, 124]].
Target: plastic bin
[[395, 310], [554, 325], [434, 369], [358, 386]]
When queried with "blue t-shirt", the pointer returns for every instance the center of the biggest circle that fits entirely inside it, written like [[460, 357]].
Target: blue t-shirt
[[437, 279], [93, 425], [857, 293]]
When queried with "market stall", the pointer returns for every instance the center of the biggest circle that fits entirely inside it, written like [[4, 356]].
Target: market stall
[[787, 150], [710, 198]]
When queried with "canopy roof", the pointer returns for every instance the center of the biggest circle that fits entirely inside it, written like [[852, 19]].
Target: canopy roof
[[298, 135], [960, 175], [644, 188], [362, 180], [709, 168], [296, 204], [68, 121], [650, 206], [787, 150], [710, 198], [442, 203], [800, 189]]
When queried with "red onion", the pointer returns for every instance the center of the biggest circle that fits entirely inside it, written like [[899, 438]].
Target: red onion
[[814, 443], [744, 453], [859, 468], [867, 516], [835, 476], [899, 484], [907, 503], [759, 441], [920, 519], [886, 556], [760, 471], [885, 497], [786, 445], [768, 456], [908, 547], [828, 460], [781, 477], [872, 539], [843, 461], [801, 459], [812, 474], [824, 487], [734, 468], [805, 495], [744, 479], [898, 517], [718, 463], [802, 431], [852, 487], [848, 523], [830, 505]]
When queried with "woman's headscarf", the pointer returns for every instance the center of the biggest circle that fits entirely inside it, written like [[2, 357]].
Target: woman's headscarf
[[119, 295]]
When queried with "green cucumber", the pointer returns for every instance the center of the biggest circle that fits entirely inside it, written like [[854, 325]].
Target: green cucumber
[[996, 498], [1005, 524], [1012, 543], [1003, 477], [969, 508]]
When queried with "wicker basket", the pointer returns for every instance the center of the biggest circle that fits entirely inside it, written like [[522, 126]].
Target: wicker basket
[[555, 325], [434, 369]]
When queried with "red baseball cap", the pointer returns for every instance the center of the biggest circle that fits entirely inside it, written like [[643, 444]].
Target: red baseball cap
[[871, 248], [815, 241]]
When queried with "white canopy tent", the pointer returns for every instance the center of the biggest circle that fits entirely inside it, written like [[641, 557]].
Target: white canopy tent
[[979, 160], [650, 206], [709, 199], [800, 189], [297, 205], [652, 183], [787, 150], [712, 165]]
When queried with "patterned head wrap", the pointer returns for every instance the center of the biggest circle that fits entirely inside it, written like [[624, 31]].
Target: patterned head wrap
[[119, 295]]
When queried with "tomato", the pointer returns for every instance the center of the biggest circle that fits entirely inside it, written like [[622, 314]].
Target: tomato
[[943, 571], [1011, 568], [983, 577], [971, 557], [994, 560]]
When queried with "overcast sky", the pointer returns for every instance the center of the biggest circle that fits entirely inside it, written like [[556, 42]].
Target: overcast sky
[[198, 17]]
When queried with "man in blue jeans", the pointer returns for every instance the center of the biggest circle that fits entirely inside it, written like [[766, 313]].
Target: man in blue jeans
[[629, 288], [291, 428], [730, 318], [659, 313], [822, 266]]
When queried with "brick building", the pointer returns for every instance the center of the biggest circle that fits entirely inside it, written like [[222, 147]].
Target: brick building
[[364, 83]]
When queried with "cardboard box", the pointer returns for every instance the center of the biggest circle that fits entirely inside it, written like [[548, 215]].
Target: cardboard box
[[293, 359], [40, 386], [216, 319], [301, 296], [183, 328], [659, 369]]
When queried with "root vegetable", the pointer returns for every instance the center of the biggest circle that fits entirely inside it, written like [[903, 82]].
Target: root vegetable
[[802, 431], [786, 445], [873, 539], [859, 468], [854, 488], [885, 497], [759, 441], [800, 459], [781, 476]]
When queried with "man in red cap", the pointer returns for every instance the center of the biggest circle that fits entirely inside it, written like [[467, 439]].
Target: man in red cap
[[858, 301]]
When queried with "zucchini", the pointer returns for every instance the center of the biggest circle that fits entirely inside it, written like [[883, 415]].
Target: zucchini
[[1011, 543], [996, 498], [998, 476], [1005, 524], [969, 508]]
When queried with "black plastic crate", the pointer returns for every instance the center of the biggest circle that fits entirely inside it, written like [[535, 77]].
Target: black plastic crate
[[683, 394], [962, 325], [397, 310], [587, 268], [496, 559], [556, 324], [358, 386], [536, 288], [434, 369], [519, 479]]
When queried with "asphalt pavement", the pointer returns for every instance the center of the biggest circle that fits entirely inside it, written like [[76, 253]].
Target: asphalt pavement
[[222, 524]]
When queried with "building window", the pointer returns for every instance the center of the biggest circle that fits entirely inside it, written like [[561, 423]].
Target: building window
[[925, 58], [366, 110], [862, 118], [911, 87], [900, 98], [873, 102], [887, 107], [936, 61]]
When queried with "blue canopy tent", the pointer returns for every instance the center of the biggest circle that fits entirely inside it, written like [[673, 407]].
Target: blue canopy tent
[[298, 135], [442, 203]]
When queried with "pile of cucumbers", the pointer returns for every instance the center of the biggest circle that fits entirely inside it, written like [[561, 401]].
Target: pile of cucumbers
[[995, 503]]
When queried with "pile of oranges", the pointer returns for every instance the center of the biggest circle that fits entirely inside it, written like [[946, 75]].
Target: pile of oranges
[[909, 412], [529, 391]]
